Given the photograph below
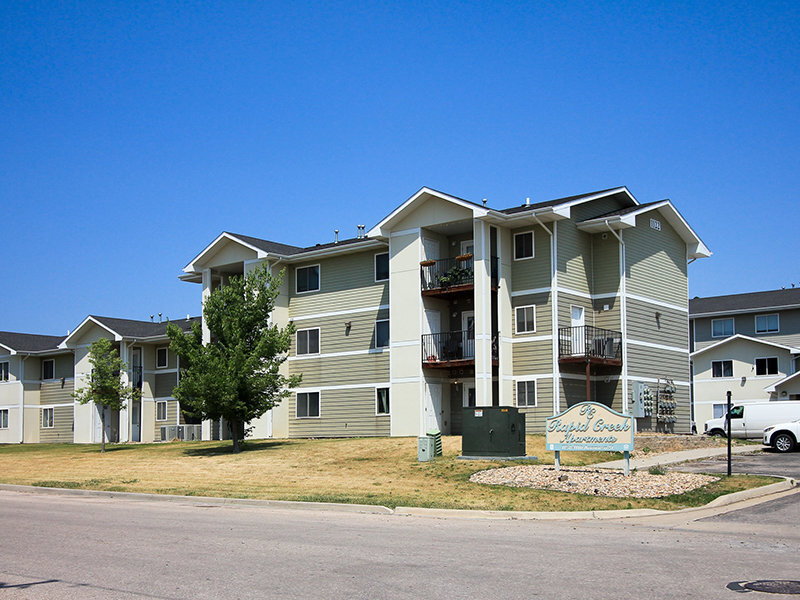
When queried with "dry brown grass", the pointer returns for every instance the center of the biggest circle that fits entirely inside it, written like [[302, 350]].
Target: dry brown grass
[[366, 470]]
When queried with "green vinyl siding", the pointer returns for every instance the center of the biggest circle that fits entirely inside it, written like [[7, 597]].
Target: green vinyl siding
[[342, 370], [608, 319], [336, 336], [682, 411], [670, 328], [574, 258], [172, 417], [605, 264], [533, 273], [654, 363], [343, 413], [573, 391], [533, 357], [346, 282], [543, 306], [63, 417], [565, 303], [535, 416], [164, 384], [54, 392], [656, 261]]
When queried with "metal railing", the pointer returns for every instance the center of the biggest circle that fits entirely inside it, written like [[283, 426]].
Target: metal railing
[[451, 345], [451, 272], [589, 342]]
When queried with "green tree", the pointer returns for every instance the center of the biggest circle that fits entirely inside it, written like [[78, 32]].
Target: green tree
[[105, 388], [235, 377]]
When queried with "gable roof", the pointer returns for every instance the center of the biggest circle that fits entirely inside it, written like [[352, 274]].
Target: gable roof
[[774, 386], [749, 302], [570, 200], [129, 329], [25, 343], [739, 336]]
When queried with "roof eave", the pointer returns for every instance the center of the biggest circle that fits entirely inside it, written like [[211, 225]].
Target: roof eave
[[65, 344], [192, 266]]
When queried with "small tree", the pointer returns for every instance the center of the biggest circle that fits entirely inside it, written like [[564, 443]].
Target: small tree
[[236, 376], [105, 388]]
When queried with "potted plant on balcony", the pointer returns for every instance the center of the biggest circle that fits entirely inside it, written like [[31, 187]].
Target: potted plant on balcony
[[427, 263], [464, 257]]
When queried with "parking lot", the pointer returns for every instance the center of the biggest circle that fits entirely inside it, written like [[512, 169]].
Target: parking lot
[[763, 461]]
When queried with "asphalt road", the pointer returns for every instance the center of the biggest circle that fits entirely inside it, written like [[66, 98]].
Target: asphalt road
[[88, 547]]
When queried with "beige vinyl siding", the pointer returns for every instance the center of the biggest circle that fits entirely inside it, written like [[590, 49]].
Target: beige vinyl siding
[[342, 370], [164, 384], [605, 264], [63, 417], [54, 392], [566, 302], [656, 261], [343, 413], [574, 258], [533, 357], [608, 319], [335, 336], [535, 416], [670, 329], [64, 366], [533, 273], [346, 282], [655, 363], [544, 307], [172, 417], [172, 359]]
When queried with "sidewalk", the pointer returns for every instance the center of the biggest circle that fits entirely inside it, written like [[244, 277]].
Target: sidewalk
[[671, 458]]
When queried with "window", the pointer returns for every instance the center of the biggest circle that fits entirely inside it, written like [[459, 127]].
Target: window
[[4, 371], [737, 412], [767, 366], [767, 324], [382, 401], [523, 245], [722, 368], [381, 267], [161, 358], [722, 327], [719, 411], [526, 319], [526, 393], [161, 410], [307, 404], [47, 418], [48, 368], [307, 279], [308, 341], [4, 418], [382, 333]]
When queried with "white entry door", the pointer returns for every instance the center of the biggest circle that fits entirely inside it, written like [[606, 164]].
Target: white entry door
[[433, 407], [468, 333], [578, 330]]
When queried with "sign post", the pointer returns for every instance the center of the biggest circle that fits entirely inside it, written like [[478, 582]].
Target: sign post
[[590, 426], [729, 433]]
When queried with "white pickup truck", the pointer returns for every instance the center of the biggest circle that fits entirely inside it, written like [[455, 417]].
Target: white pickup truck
[[783, 436]]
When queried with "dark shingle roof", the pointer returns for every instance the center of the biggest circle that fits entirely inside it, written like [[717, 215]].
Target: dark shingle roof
[[625, 211], [266, 245], [29, 342], [142, 329], [749, 301], [556, 202]]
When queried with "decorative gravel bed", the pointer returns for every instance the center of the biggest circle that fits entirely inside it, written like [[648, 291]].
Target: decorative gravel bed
[[594, 482]]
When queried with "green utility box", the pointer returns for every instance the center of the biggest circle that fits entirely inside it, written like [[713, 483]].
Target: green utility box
[[493, 431]]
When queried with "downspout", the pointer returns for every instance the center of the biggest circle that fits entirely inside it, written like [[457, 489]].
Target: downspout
[[623, 304], [553, 315], [22, 398]]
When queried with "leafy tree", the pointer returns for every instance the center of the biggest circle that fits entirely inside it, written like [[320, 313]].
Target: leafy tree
[[105, 388], [236, 376]]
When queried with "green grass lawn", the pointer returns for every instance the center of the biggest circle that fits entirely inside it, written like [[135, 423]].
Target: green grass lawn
[[382, 471]]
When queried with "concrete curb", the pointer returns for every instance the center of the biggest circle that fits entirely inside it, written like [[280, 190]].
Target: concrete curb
[[439, 513]]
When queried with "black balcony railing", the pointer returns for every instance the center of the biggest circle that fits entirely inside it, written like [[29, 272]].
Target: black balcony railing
[[451, 346], [590, 343], [136, 377], [448, 273]]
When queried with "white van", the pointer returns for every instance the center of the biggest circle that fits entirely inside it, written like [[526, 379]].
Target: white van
[[750, 420]]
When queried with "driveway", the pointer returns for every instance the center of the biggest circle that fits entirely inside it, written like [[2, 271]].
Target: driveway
[[764, 461]]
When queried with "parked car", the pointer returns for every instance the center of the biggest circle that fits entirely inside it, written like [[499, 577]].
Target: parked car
[[750, 420], [783, 436]]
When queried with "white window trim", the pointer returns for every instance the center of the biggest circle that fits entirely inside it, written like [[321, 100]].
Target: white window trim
[[755, 323], [375, 333], [319, 342], [389, 391], [46, 360], [319, 404], [732, 376], [755, 368], [165, 366], [166, 411], [535, 393], [723, 319], [516, 320], [375, 267], [465, 243], [52, 411], [533, 245], [319, 279], [3, 410]]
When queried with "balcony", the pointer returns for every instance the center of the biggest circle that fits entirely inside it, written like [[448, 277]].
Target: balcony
[[452, 349], [588, 344], [448, 276]]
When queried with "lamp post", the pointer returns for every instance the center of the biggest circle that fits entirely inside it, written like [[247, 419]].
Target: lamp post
[[729, 433]]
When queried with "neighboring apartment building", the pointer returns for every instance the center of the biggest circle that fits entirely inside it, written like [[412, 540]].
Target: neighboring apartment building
[[748, 344], [36, 384], [447, 303]]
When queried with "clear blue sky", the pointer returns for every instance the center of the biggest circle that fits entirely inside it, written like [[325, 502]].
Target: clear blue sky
[[130, 137]]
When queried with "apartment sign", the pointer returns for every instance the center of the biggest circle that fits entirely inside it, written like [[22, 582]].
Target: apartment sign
[[589, 426]]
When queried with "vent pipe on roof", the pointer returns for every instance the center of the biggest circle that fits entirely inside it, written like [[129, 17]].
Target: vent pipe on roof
[[159, 317], [361, 232], [335, 236], [187, 317], [484, 201], [151, 318], [528, 201]]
